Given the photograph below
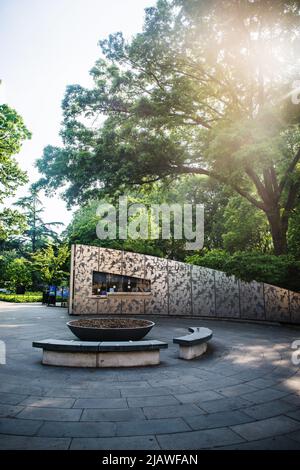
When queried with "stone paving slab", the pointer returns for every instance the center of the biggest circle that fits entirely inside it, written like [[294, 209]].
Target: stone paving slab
[[21, 427], [273, 443], [11, 398], [223, 404], [294, 414], [244, 393], [207, 439], [269, 409], [295, 436], [262, 396], [237, 390], [172, 411], [151, 426], [124, 414], [217, 420], [103, 391], [77, 429], [145, 392], [101, 403], [7, 411], [50, 414], [117, 443], [266, 428], [33, 443], [48, 402], [197, 396], [162, 400]]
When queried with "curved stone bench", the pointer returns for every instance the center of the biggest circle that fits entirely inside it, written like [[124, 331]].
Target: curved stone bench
[[194, 344], [100, 354]]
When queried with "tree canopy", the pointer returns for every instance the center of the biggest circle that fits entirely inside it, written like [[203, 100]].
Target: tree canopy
[[200, 91]]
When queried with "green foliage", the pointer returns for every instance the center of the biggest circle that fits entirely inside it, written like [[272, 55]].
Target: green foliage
[[245, 227], [12, 224], [18, 273], [38, 233], [294, 233], [283, 271], [12, 134], [19, 298], [199, 91], [51, 264]]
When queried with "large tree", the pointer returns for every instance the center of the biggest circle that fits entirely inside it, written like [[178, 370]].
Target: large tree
[[204, 89], [12, 133], [38, 232]]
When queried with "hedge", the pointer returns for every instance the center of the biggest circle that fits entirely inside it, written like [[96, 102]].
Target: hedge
[[22, 298]]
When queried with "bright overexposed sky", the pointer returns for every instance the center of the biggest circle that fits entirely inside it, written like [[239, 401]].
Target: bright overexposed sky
[[46, 45]]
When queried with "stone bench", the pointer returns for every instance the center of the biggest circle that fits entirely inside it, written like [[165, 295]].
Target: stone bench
[[194, 344], [100, 354]]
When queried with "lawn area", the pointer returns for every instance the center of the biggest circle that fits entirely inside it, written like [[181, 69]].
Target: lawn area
[[22, 298]]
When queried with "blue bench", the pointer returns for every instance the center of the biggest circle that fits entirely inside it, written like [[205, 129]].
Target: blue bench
[[194, 344], [100, 354]]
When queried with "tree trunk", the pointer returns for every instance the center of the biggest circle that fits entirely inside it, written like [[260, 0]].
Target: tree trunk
[[278, 231]]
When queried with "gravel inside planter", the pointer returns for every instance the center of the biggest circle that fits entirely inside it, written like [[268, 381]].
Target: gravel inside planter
[[110, 323]]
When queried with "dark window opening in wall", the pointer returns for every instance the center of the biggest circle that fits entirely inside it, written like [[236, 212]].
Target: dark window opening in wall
[[104, 283]]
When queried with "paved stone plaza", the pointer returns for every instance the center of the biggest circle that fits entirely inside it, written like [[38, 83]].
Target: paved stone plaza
[[243, 394]]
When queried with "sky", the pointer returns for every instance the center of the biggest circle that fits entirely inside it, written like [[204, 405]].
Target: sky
[[46, 45]]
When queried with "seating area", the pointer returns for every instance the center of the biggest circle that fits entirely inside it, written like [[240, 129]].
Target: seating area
[[194, 344], [100, 354], [119, 353], [243, 393]]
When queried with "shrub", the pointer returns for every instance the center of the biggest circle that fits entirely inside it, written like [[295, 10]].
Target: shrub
[[282, 271], [28, 297]]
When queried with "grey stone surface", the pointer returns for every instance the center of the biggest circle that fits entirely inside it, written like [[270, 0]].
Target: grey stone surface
[[199, 439], [11, 398], [223, 404], [101, 403], [77, 429], [151, 426], [50, 414], [217, 420], [161, 400], [269, 409], [7, 411], [18, 426], [273, 443], [262, 396], [237, 390], [266, 428], [172, 411], [178, 404], [117, 443], [194, 397], [33, 443], [295, 414], [48, 402], [128, 414]]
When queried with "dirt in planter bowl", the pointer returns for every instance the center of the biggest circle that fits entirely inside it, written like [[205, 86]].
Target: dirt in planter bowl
[[111, 323]]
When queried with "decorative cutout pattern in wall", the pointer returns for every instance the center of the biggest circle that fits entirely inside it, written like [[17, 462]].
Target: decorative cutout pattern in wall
[[176, 289]]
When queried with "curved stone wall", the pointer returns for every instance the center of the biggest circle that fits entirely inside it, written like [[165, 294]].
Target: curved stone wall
[[176, 289]]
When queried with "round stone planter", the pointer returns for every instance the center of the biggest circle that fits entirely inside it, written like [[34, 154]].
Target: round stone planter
[[110, 329]]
